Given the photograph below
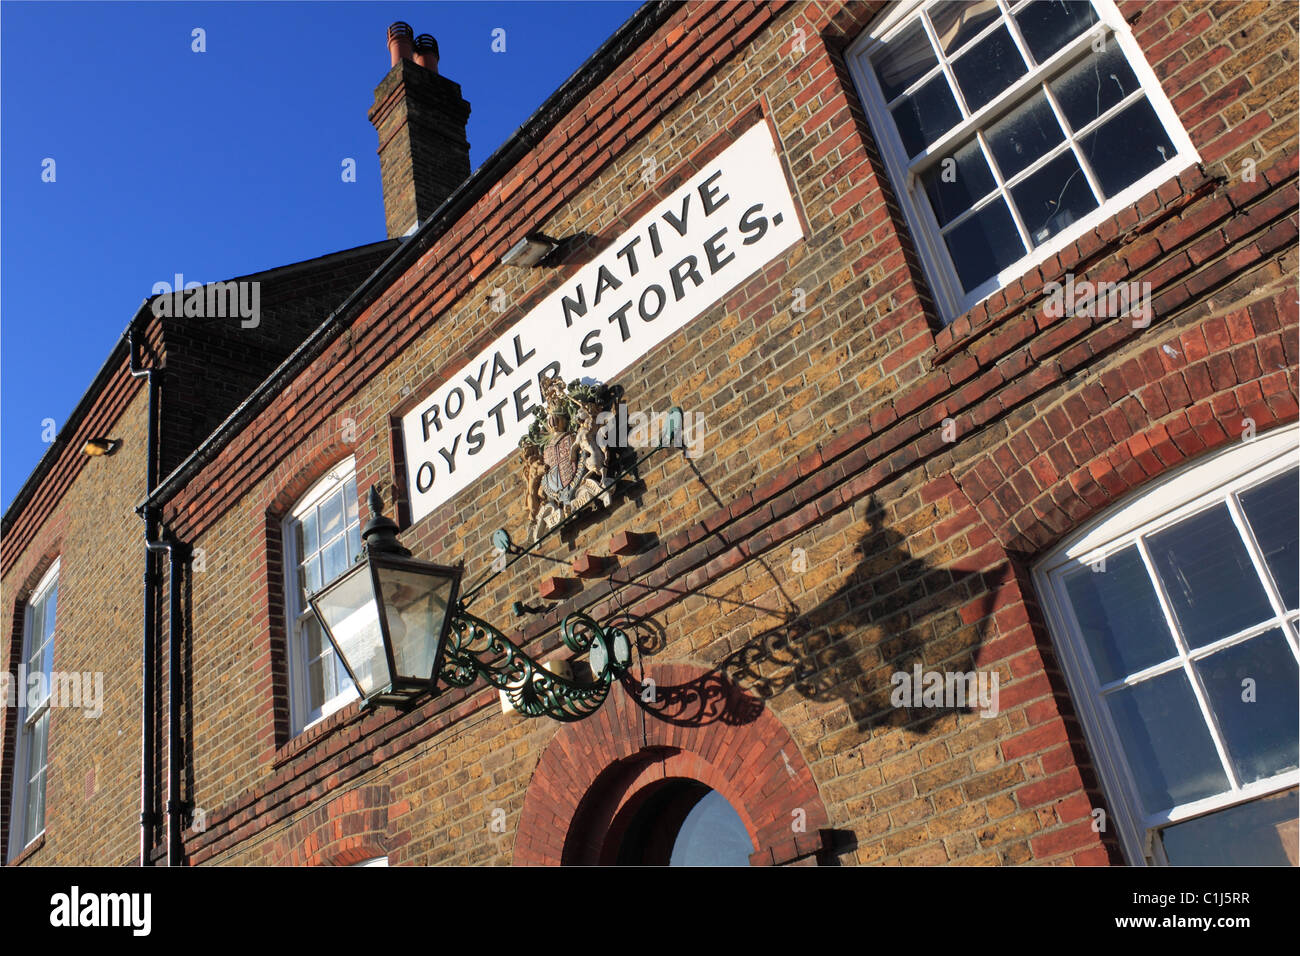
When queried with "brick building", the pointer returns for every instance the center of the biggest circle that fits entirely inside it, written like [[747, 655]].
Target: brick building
[[983, 318]]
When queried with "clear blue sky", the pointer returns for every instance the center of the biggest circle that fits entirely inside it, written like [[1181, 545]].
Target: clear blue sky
[[213, 164]]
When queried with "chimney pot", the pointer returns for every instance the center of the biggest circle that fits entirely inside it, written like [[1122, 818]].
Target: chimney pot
[[426, 51], [420, 117], [399, 42]]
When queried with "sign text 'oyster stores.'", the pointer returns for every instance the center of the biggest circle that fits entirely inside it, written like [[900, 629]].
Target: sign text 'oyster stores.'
[[724, 224]]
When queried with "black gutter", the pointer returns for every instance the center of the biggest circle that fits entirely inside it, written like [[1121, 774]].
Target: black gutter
[[148, 663], [640, 26]]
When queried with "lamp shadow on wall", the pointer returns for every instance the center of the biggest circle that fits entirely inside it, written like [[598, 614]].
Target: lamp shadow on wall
[[891, 613]]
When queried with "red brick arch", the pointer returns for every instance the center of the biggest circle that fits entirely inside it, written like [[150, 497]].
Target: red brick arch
[[595, 770], [348, 829]]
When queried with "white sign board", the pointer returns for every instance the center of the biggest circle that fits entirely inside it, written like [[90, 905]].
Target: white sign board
[[723, 225]]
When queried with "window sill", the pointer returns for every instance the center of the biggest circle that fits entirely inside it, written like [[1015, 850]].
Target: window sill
[[315, 733], [29, 851], [1137, 219]]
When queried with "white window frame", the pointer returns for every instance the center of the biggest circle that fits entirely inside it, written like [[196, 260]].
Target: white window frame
[[904, 173], [302, 715], [27, 723], [1192, 488]]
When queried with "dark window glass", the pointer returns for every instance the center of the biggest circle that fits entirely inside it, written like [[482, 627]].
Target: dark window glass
[[984, 244], [1119, 615], [1047, 25], [1274, 516], [1024, 136], [1251, 687], [1088, 90], [954, 187], [1169, 749], [906, 59], [1259, 833], [988, 68], [1212, 585], [1053, 197], [926, 115], [956, 21], [1127, 147]]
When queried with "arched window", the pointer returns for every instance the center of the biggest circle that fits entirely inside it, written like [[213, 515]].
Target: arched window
[[1176, 618], [34, 690], [681, 822], [322, 538]]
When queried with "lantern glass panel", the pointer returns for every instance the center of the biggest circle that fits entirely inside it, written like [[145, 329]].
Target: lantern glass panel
[[350, 611], [415, 604]]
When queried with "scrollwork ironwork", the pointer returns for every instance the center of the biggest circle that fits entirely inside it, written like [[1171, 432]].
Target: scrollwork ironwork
[[477, 649]]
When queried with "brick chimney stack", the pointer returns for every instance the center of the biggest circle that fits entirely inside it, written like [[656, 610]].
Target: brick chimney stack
[[420, 117]]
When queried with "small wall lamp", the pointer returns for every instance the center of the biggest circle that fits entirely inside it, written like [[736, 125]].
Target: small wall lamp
[[530, 250], [100, 446]]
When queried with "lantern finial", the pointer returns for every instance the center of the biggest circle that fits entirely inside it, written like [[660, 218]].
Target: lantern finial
[[375, 503]]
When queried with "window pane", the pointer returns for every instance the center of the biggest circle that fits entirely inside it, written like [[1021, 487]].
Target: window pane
[[350, 500], [988, 68], [331, 516], [926, 115], [984, 243], [1127, 147], [319, 655], [33, 637], [1024, 136], [1258, 833], [309, 577], [316, 691], [1169, 749], [1119, 616], [1052, 198], [956, 21], [47, 655], [334, 559], [958, 182], [1257, 720], [1274, 516], [51, 611], [354, 541], [308, 540], [1212, 586], [1094, 86], [906, 59], [1047, 25], [39, 743]]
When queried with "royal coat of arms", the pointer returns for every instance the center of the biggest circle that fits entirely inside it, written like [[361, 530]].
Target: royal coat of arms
[[566, 467]]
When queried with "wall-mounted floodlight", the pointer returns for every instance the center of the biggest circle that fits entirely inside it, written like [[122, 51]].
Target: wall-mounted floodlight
[[530, 250]]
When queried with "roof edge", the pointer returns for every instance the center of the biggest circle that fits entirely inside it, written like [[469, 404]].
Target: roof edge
[[639, 27]]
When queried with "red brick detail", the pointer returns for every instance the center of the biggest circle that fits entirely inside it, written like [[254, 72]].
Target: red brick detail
[[594, 768], [554, 588], [629, 542], [348, 829], [588, 565]]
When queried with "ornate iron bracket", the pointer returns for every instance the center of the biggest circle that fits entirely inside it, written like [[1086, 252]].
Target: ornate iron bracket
[[533, 690]]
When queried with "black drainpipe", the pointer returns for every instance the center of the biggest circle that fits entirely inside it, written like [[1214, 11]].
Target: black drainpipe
[[148, 664], [174, 553]]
